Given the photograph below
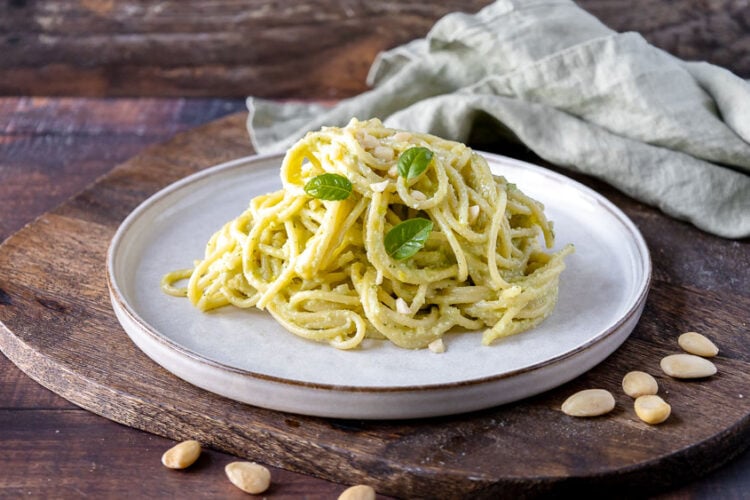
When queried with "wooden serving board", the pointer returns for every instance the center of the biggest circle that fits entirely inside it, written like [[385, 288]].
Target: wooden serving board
[[59, 328]]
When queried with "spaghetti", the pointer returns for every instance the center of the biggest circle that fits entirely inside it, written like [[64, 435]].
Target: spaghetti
[[383, 234]]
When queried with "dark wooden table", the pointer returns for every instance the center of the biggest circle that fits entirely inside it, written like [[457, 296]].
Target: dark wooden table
[[50, 148]]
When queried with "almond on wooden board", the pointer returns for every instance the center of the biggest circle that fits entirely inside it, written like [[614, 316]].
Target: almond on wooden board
[[589, 403], [700, 345], [637, 383], [687, 366]]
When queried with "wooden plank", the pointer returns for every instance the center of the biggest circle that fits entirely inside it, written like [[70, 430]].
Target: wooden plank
[[151, 119], [261, 47], [59, 328], [195, 48], [72, 454], [16, 394], [30, 157], [64, 144]]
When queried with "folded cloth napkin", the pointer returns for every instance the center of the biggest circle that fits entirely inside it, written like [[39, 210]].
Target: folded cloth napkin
[[670, 133]]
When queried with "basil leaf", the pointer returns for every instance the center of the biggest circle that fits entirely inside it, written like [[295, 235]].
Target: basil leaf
[[413, 162], [407, 238], [329, 187]]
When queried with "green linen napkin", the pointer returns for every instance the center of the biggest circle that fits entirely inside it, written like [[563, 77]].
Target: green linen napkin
[[670, 133]]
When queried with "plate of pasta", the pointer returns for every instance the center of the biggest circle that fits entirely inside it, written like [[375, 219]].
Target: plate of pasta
[[374, 273]]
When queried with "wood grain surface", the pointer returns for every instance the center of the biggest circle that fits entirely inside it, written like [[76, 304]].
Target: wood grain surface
[[52, 148], [59, 328], [228, 48]]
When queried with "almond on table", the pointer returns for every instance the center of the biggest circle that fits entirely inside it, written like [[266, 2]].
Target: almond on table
[[248, 476], [182, 455]]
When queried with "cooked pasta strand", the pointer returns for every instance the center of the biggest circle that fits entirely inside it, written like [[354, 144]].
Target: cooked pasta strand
[[322, 270]]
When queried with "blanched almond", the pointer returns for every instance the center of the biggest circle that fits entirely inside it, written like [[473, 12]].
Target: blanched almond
[[418, 195], [401, 137], [379, 187], [637, 383], [473, 213], [368, 141], [383, 152], [248, 476], [359, 492], [652, 409], [437, 346], [589, 403], [181, 455], [402, 307], [687, 366], [700, 345]]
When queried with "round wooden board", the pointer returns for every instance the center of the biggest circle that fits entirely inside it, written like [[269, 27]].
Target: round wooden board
[[59, 328]]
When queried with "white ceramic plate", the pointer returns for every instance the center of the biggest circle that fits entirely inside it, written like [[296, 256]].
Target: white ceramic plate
[[245, 355]]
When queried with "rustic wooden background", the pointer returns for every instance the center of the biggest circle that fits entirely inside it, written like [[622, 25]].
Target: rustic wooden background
[[52, 449], [51, 147], [311, 49]]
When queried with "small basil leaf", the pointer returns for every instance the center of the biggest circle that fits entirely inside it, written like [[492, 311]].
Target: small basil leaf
[[329, 187], [413, 162], [407, 238]]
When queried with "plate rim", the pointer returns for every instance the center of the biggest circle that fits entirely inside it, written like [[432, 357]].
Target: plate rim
[[119, 301]]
